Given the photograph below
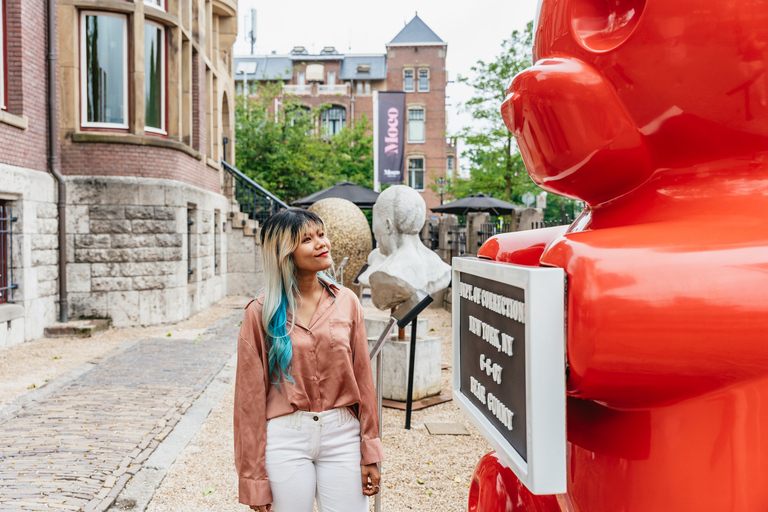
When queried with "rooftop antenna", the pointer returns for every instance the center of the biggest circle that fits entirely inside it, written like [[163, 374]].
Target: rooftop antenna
[[253, 29]]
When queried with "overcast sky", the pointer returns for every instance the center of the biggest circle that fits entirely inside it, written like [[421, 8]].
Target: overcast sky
[[473, 30]]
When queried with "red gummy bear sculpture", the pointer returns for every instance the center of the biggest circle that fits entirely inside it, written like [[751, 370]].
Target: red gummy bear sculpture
[[654, 113]]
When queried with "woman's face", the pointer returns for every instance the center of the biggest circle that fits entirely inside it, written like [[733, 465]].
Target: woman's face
[[314, 251]]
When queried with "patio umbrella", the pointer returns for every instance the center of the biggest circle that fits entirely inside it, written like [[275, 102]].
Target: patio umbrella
[[477, 203], [361, 196]]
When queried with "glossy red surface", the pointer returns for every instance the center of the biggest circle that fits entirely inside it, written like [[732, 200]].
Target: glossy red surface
[[655, 114], [495, 488]]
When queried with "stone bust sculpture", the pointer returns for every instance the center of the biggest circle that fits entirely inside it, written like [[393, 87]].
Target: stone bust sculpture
[[401, 264]]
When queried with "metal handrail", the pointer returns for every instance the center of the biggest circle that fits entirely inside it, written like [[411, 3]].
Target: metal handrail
[[253, 199]]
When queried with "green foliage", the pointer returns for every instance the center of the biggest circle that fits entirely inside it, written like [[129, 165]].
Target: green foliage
[[495, 164], [286, 152]]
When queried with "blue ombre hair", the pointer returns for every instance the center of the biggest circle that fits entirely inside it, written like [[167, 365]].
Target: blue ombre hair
[[280, 236]]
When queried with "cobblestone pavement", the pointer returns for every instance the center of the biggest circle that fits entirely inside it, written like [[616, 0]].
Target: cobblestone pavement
[[76, 448]]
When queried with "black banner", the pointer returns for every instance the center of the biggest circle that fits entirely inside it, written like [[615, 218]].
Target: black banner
[[492, 346], [391, 135]]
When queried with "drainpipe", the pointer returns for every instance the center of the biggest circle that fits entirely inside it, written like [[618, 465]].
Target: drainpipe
[[53, 160], [352, 104]]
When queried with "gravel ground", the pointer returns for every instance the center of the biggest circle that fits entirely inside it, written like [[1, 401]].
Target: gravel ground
[[203, 478], [32, 364]]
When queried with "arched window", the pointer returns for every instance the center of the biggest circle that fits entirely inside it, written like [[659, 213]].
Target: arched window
[[333, 120]]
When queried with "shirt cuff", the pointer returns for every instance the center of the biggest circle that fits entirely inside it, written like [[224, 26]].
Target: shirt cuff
[[372, 451], [255, 492]]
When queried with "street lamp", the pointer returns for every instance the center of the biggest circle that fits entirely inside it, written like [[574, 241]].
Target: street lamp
[[441, 188]]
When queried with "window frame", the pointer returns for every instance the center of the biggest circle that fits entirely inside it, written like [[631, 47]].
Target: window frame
[[163, 83], [418, 79], [413, 79], [449, 170], [324, 119], [84, 124], [424, 125], [161, 5], [3, 57], [410, 171]]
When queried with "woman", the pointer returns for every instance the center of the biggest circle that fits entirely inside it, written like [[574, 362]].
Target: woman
[[306, 423]]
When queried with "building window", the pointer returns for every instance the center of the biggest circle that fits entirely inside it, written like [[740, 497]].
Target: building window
[[6, 252], [423, 80], [104, 70], [154, 77], [408, 80], [416, 173], [363, 88], [416, 125], [300, 78], [333, 120], [450, 162], [331, 78], [3, 66], [160, 4]]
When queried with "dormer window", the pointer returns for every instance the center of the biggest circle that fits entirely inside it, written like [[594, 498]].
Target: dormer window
[[363, 68]]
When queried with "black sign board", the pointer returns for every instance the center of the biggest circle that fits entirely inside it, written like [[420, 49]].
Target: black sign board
[[492, 338], [509, 357]]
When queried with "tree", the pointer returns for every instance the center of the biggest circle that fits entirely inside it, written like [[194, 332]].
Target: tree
[[286, 153], [495, 164]]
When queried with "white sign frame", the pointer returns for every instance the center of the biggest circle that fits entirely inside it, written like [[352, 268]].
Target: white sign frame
[[545, 471]]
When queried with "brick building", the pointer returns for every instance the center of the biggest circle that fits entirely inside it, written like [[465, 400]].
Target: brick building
[[143, 99], [414, 62]]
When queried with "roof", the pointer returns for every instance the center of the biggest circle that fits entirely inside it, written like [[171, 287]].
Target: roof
[[268, 67], [353, 67], [415, 33]]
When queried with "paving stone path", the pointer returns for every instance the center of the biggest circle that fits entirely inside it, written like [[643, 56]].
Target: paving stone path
[[76, 448]]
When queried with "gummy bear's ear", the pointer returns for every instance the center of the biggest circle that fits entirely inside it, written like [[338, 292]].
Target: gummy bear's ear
[[602, 25]]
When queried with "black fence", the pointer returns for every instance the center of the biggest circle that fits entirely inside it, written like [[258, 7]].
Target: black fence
[[457, 240], [489, 229], [433, 237], [254, 200]]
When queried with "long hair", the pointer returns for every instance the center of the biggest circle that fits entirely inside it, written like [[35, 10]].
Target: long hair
[[281, 234]]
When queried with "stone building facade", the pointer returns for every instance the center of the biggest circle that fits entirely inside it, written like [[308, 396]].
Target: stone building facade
[[414, 62], [145, 94]]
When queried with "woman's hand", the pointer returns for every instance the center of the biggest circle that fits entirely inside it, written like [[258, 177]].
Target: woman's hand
[[261, 508], [371, 479]]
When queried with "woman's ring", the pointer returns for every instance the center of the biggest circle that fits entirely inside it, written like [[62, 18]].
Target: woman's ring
[[376, 487]]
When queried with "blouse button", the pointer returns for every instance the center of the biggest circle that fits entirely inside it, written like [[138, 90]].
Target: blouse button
[[309, 332], [314, 378]]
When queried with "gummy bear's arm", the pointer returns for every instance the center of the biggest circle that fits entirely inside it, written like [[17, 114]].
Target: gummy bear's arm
[[657, 313], [521, 247]]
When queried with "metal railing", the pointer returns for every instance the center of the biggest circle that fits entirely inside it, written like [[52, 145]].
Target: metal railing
[[7, 286], [489, 229], [252, 199], [551, 223], [457, 241], [432, 241]]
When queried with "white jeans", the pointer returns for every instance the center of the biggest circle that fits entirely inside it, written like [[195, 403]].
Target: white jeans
[[315, 454]]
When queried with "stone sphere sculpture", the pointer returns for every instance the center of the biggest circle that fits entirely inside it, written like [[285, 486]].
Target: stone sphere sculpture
[[401, 264], [349, 234]]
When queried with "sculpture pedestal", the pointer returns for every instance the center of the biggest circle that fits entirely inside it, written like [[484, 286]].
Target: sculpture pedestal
[[395, 356]]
